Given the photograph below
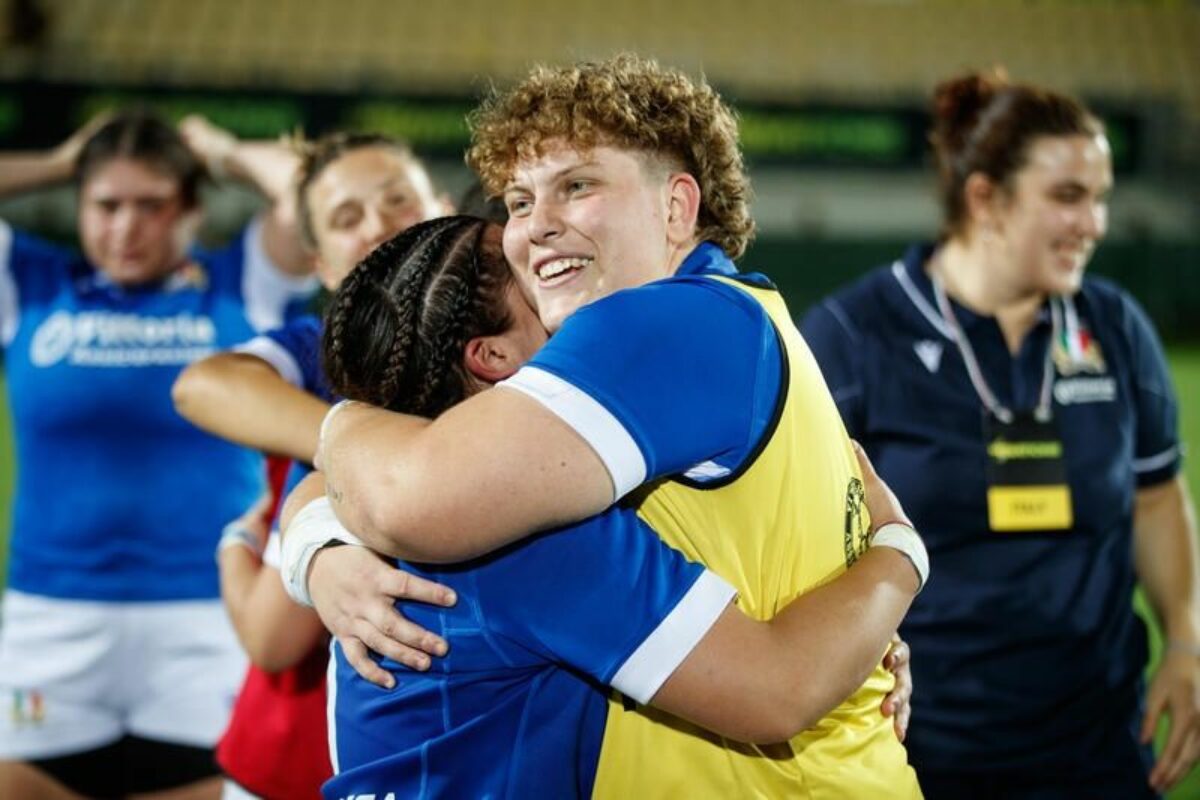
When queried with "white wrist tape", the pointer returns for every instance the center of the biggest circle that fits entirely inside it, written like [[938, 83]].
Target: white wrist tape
[[899, 536], [236, 534], [314, 527]]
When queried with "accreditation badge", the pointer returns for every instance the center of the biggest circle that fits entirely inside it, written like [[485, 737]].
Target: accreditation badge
[[1026, 475]]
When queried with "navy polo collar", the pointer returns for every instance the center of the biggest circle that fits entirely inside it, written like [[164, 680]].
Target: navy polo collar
[[914, 279]]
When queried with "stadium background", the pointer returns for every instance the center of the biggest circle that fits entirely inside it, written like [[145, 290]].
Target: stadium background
[[831, 94]]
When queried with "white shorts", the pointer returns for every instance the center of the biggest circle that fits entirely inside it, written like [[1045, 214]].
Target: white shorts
[[77, 675]]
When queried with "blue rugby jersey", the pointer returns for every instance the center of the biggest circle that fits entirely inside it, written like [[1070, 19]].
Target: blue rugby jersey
[[1026, 651], [516, 708], [118, 498], [688, 388]]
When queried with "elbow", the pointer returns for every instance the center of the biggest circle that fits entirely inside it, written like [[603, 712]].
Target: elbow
[[783, 719], [406, 519], [193, 392]]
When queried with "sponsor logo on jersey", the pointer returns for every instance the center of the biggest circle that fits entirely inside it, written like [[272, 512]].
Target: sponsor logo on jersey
[[108, 339], [1070, 391], [930, 353]]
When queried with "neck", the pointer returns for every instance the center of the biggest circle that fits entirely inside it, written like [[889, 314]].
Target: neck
[[678, 253], [969, 276]]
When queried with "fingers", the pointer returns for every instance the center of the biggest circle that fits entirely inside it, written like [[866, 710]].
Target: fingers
[[405, 586], [359, 657], [403, 635], [389, 648], [1155, 703], [901, 721], [1183, 744]]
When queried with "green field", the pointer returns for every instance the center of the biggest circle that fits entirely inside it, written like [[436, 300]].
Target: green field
[[1185, 365]]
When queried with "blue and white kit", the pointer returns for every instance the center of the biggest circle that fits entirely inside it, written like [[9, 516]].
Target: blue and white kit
[[119, 501]]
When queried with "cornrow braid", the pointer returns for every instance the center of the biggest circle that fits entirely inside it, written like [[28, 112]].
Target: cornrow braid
[[395, 332]]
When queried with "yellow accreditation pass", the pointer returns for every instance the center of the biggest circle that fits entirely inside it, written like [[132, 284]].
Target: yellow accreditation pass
[[1026, 476]]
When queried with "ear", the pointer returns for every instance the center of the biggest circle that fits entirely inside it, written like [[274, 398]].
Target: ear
[[490, 359], [683, 207], [982, 197]]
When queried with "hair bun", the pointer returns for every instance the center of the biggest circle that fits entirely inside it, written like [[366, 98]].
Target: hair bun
[[957, 105]]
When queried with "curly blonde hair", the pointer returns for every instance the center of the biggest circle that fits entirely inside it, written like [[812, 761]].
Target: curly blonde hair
[[627, 102]]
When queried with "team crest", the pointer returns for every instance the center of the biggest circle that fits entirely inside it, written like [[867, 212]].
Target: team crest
[[190, 276], [1076, 352], [28, 707], [855, 533]]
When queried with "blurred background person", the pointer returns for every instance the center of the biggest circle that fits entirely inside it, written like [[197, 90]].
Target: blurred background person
[[1026, 417], [113, 634], [353, 192]]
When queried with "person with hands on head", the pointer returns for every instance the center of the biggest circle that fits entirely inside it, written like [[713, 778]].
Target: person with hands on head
[[350, 192], [1025, 416], [112, 564], [627, 200], [435, 316]]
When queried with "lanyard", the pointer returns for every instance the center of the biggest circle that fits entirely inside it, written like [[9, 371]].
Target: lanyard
[[1000, 411]]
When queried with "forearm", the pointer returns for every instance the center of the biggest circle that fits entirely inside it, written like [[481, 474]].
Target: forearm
[[767, 681], [238, 569], [243, 399], [20, 172], [1166, 558], [488, 472]]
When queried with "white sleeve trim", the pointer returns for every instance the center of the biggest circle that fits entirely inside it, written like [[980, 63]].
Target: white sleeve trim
[[661, 653], [1152, 463], [9, 307], [266, 289], [603, 432], [275, 354]]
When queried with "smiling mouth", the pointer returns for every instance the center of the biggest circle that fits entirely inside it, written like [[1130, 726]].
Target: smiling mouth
[[559, 269]]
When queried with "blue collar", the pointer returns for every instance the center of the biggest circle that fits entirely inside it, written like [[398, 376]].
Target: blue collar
[[707, 259]]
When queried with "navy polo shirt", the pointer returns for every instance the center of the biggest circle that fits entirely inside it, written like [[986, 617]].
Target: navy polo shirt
[[1027, 655]]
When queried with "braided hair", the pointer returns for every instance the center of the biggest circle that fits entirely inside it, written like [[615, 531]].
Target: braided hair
[[396, 329]]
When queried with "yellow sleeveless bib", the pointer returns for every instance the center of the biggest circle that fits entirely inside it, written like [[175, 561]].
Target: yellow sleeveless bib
[[791, 521]]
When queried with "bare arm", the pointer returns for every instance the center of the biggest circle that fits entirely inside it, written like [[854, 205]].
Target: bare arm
[[242, 398], [410, 487], [25, 171], [275, 632], [1165, 557], [767, 681], [270, 167]]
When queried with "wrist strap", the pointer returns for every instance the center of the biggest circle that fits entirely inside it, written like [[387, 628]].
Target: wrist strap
[[236, 534], [314, 527], [899, 536], [325, 423]]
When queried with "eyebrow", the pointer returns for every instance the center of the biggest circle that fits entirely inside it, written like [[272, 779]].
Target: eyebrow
[[517, 187]]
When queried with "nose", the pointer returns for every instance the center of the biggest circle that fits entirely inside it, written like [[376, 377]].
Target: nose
[[545, 222], [125, 222], [375, 227], [1094, 220]]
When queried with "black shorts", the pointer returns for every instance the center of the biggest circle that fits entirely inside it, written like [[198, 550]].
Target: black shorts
[[130, 765]]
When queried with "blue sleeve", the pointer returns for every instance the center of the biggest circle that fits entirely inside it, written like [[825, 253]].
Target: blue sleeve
[[688, 368], [592, 596], [32, 272], [1156, 445], [302, 339], [835, 342]]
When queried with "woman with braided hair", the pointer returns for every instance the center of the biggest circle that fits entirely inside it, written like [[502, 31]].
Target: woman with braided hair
[[352, 191], [516, 706]]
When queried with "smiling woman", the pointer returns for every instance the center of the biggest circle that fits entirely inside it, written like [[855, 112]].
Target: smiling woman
[[1025, 416]]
